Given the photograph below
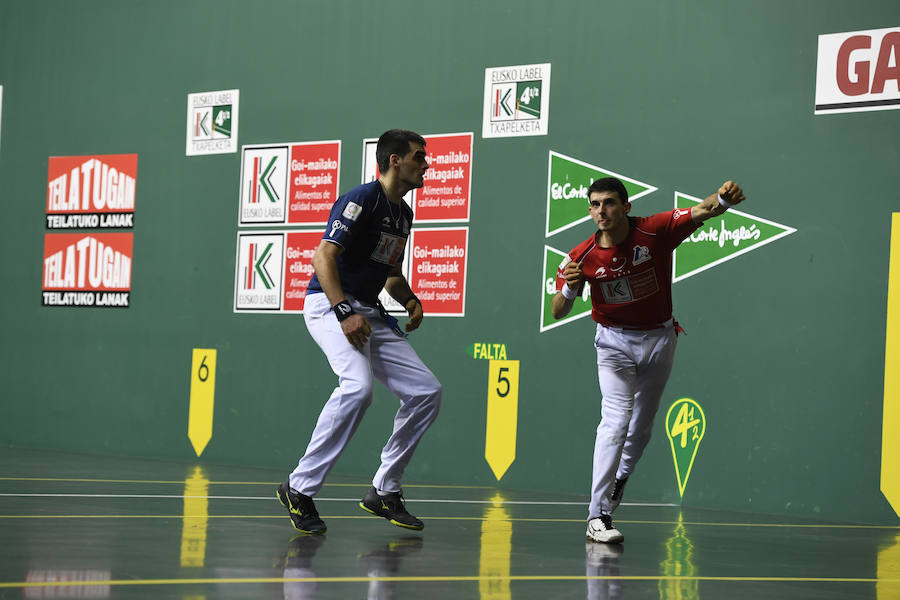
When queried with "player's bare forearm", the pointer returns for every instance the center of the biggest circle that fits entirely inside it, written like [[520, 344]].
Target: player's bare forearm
[[397, 286], [324, 261], [730, 193], [560, 306]]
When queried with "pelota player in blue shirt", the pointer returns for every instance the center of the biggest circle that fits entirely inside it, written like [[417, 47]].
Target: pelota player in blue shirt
[[360, 253]]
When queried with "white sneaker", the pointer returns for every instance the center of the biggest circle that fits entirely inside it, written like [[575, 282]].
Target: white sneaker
[[600, 529]]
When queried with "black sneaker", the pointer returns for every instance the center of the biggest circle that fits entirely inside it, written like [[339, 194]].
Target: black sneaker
[[615, 497], [301, 509], [391, 508]]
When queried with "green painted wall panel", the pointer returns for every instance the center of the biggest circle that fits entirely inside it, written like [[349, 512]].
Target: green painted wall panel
[[785, 344]]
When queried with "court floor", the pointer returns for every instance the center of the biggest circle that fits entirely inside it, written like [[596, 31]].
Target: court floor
[[78, 526]]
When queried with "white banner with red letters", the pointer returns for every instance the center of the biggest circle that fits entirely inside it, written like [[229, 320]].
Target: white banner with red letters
[[858, 71]]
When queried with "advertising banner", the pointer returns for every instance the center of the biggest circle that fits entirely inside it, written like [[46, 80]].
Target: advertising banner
[[212, 122], [289, 184], [437, 269], [91, 192], [87, 269], [273, 270], [858, 71]]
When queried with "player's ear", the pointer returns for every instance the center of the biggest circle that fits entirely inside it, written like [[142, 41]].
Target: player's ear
[[627, 207]]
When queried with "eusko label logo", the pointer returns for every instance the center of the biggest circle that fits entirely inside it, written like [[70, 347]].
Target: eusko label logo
[[258, 279], [516, 100], [212, 122], [264, 182]]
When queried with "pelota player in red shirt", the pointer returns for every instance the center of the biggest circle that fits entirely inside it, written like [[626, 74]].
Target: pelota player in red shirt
[[628, 264]]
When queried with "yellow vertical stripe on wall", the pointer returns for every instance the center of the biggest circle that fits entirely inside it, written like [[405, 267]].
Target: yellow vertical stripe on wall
[[890, 447], [502, 415], [203, 391]]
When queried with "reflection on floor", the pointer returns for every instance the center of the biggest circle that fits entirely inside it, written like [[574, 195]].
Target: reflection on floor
[[96, 527]]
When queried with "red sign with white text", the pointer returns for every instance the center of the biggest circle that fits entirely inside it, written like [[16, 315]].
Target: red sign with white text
[[298, 269], [448, 181], [314, 176], [95, 191], [437, 269], [87, 269]]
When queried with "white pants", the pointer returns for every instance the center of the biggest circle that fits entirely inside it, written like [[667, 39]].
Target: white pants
[[386, 357], [632, 367]]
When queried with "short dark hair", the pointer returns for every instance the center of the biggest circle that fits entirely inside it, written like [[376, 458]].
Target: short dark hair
[[394, 141], [609, 184]]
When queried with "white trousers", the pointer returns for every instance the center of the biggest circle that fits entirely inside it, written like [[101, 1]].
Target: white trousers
[[632, 367], [386, 357]]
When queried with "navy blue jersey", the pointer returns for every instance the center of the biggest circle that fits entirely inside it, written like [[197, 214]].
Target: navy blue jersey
[[373, 234]]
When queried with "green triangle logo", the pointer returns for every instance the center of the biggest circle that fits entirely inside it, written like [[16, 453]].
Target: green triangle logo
[[567, 186], [721, 239], [582, 306]]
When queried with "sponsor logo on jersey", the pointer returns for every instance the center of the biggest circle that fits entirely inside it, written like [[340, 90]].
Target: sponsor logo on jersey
[[389, 249], [600, 272], [352, 211], [641, 255], [337, 225]]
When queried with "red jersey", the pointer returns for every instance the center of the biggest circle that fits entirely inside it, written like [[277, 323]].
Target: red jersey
[[631, 283]]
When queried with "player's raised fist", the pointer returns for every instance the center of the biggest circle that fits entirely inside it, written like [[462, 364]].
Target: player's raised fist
[[574, 275], [731, 193]]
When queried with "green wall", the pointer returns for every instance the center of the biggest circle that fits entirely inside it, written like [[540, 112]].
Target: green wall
[[785, 345]]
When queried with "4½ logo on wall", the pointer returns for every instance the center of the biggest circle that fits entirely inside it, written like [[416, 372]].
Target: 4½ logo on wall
[[858, 70], [90, 192], [212, 122], [516, 100]]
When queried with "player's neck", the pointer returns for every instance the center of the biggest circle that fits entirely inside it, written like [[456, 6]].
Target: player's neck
[[392, 187], [613, 237]]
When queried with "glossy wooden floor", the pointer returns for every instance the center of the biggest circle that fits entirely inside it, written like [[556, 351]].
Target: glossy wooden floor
[[95, 527]]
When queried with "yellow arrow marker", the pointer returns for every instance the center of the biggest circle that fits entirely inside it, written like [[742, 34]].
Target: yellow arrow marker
[[203, 391], [890, 428], [496, 547], [502, 415], [193, 529]]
